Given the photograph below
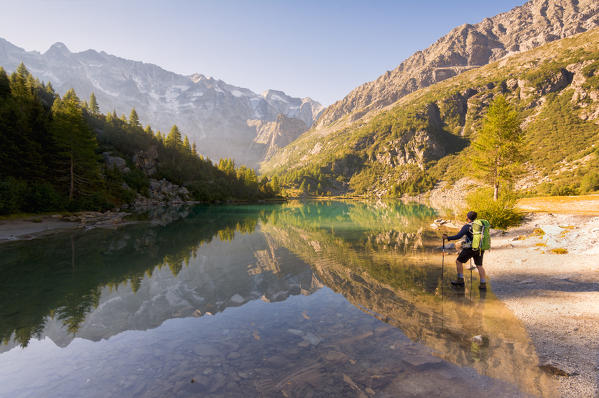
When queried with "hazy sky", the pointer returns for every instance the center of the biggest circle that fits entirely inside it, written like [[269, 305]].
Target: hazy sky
[[319, 48]]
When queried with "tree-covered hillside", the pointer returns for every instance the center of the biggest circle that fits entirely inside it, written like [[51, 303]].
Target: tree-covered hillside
[[424, 138], [63, 154]]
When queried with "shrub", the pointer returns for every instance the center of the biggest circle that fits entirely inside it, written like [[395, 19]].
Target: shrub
[[42, 196], [500, 213], [589, 182], [12, 192]]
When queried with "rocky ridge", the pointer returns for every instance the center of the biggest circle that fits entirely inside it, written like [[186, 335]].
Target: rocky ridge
[[554, 87], [466, 47]]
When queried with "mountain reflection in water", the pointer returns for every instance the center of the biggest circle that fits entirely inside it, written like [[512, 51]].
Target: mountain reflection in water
[[131, 308]]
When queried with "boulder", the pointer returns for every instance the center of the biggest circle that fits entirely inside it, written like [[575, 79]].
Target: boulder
[[115, 162]]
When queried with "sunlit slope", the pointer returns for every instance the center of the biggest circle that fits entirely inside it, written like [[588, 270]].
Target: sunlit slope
[[424, 137]]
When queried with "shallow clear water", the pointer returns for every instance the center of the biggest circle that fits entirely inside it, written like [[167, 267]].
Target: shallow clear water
[[295, 300]]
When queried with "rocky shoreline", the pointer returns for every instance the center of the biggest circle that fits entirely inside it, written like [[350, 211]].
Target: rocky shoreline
[[546, 272]]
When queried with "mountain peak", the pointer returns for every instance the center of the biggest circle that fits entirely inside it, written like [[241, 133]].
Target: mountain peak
[[197, 77], [58, 48], [275, 95]]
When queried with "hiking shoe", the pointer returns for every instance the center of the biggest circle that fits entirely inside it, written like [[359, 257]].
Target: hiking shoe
[[458, 282], [483, 286]]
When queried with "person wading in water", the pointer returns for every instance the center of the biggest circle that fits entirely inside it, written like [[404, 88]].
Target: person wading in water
[[468, 253]]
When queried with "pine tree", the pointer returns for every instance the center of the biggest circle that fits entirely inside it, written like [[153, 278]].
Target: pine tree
[[93, 107], [76, 143], [173, 139], [276, 186], [134, 118], [4, 84], [19, 82], [148, 130], [498, 146], [194, 149], [187, 145]]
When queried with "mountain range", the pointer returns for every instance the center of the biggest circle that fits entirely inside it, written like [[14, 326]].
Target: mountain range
[[222, 119], [411, 128], [349, 143]]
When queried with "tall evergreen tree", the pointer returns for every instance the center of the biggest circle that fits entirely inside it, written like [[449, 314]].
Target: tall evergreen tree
[[194, 149], [77, 144], [134, 118], [93, 106], [19, 82], [187, 145], [173, 139], [4, 84], [148, 130], [498, 146]]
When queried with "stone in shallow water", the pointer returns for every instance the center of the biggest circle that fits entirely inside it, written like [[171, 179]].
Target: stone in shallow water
[[237, 299], [335, 356], [312, 338]]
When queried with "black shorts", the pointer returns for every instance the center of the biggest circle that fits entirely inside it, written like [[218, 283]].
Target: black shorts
[[467, 253]]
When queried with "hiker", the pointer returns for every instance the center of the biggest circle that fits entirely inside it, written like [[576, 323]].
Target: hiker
[[468, 252]]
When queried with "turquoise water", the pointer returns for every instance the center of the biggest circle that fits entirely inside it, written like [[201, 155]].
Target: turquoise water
[[295, 300]]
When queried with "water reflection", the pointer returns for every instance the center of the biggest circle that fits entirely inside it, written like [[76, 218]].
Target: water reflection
[[390, 270], [132, 309], [55, 283]]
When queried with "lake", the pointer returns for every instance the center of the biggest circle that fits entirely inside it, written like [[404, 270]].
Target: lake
[[302, 299]]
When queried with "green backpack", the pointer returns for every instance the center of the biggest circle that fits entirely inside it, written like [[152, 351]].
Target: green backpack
[[481, 239]]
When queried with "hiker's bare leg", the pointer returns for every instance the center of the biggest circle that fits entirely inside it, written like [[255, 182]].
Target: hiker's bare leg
[[460, 267], [481, 272]]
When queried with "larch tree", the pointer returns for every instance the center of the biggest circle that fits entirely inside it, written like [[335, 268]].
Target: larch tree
[[187, 145], [134, 118], [93, 106], [173, 139], [498, 148]]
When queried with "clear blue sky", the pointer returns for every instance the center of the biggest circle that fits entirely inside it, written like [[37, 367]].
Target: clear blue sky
[[315, 48]]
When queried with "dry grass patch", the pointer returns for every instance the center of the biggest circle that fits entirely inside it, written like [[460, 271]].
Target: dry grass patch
[[559, 250]]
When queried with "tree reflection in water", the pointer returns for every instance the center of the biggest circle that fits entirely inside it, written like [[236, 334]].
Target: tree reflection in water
[[380, 256]]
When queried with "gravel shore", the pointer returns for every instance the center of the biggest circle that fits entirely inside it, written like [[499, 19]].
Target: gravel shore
[[555, 295]]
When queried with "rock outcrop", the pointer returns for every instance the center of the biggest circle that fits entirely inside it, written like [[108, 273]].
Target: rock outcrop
[[274, 135], [162, 193], [469, 46]]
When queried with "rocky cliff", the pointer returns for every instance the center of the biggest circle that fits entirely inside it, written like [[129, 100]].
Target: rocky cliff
[[274, 135], [469, 46], [212, 113]]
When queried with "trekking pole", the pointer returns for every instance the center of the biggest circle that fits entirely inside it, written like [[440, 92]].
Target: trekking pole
[[443, 262], [471, 279], [442, 287]]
